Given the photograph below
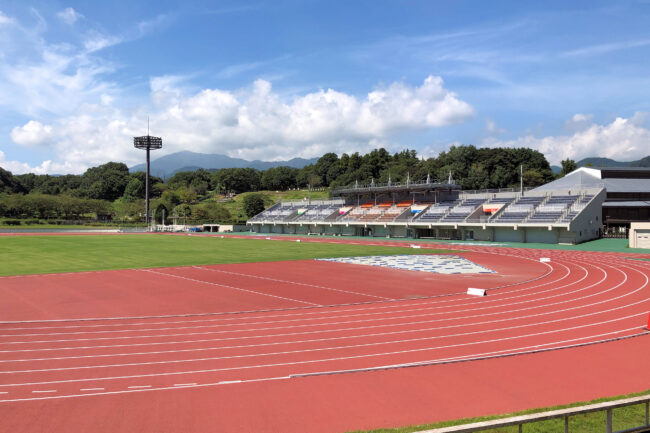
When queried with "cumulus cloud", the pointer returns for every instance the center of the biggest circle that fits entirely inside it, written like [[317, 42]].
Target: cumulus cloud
[[33, 133], [253, 123], [622, 139], [46, 167], [69, 16], [74, 111], [578, 122]]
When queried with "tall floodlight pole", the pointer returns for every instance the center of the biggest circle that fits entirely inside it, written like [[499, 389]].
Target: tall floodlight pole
[[148, 143]]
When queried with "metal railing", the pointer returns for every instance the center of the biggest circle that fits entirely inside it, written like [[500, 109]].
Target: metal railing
[[564, 414]]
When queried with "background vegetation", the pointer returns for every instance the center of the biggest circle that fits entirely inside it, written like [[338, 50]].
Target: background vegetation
[[110, 192]]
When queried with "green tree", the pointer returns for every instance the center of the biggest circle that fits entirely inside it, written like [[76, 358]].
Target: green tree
[[279, 178], [134, 190], [106, 182], [568, 165], [253, 204], [238, 180]]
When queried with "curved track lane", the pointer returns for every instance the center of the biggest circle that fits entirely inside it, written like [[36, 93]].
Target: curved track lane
[[581, 299]]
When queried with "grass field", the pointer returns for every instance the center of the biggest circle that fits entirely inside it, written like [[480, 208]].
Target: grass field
[[623, 418], [48, 254]]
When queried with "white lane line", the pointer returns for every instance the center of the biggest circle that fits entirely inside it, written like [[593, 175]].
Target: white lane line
[[91, 389], [379, 326], [4, 392], [230, 287], [522, 350], [202, 385], [43, 391], [378, 334], [225, 382], [293, 282], [351, 346], [495, 354], [322, 360], [480, 308], [139, 386], [185, 384], [343, 311], [372, 304]]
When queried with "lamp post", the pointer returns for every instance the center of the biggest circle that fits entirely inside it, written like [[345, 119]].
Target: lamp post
[[147, 143]]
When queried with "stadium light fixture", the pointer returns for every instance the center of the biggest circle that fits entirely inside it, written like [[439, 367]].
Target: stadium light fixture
[[147, 143]]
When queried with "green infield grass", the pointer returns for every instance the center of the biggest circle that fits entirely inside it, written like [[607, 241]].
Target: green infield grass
[[49, 254]]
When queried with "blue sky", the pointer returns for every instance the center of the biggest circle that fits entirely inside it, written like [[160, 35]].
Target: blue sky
[[279, 79]]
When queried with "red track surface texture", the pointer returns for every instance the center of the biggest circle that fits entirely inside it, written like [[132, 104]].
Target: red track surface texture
[[406, 347]]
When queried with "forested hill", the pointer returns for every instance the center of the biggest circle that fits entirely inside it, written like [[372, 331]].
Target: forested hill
[[471, 167]]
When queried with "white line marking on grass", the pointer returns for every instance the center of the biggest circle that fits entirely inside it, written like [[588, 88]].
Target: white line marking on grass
[[230, 287]]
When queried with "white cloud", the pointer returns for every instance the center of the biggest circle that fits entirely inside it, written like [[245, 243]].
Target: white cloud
[[254, 122], [46, 167], [578, 122], [606, 48], [69, 16], [33, 133], [492, 128], [5, 20], [76, 112], [623, 139]]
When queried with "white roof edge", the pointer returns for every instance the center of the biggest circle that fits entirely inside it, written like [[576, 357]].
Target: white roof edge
[[590, 171]]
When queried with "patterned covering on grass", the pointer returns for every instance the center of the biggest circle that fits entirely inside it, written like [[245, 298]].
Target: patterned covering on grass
[[439, 264]]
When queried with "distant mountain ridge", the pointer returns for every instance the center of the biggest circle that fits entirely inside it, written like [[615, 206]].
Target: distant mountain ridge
[[596, 161], [607, 162], [167, 165]]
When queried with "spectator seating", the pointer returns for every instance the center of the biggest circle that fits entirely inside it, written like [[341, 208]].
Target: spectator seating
[[436, 211]]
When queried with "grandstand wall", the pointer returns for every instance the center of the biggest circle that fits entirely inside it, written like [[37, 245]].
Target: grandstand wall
[[443, 211]]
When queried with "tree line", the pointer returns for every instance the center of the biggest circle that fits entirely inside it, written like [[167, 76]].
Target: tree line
[[111, 189]]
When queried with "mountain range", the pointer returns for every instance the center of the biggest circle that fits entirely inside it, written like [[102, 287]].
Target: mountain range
[[167, 165], [606, 162]]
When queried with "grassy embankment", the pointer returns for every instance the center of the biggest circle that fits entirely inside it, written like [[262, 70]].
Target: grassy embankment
[[236, 206]]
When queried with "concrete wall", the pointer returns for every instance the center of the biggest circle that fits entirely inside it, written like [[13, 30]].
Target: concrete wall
[[398, 231], [507, 234], [481, 234], [542, 235], [639, 235], [588, 223]]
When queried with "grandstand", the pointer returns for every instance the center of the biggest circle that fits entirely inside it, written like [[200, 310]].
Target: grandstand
[[570, 210]]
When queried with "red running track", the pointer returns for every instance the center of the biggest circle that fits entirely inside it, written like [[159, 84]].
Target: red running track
[[546, 334]]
